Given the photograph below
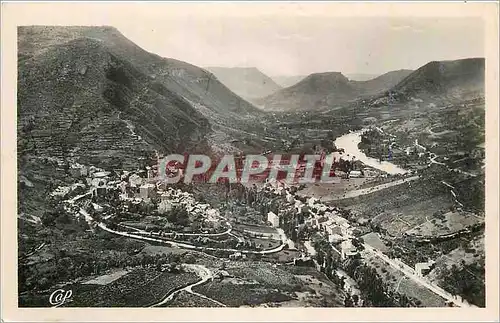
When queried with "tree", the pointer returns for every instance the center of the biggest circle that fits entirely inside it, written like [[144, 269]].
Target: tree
[[355, 299], [348, 302]]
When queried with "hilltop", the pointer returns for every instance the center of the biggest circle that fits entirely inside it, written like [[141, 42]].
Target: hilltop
[[458, 79], [361, 76], [209, 96], [169, 104], [328, 90], [381, 83], [248, 82], [288, 80], [79, 100]]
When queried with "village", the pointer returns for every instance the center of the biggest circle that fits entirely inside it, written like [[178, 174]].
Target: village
[[276, 223]]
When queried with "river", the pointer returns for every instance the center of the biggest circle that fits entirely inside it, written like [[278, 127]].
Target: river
[[350, 143]]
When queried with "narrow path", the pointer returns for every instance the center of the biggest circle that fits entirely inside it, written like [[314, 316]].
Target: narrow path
[[205, 275], [208, 298], [399, 283]]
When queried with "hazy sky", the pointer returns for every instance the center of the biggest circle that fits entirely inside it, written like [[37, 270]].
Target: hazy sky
[[284, 38], [293, 46]]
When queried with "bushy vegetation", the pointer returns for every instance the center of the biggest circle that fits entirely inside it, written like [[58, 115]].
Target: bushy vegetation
[[466, 280]]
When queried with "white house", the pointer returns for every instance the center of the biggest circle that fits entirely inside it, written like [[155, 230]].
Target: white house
[[311, 201], [213, 215], [369, 172], [340, 221], [348, 250], [355, 174], [101, 174], [334, 229], [147, 190], [236, 255], [312, 222], [334, 238], [97, 182], [150, 172], [97, 207], [61, 191], [123, 187], [274, 219], [78, 170]]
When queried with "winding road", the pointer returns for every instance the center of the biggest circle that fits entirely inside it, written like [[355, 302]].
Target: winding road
[[180, 244], [205, 275], [408, 272]]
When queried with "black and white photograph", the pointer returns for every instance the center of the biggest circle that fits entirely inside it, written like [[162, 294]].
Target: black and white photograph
[[168, 158]]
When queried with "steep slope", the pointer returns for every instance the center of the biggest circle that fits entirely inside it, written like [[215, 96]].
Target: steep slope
[[361, 76], [78, 99], [89, 95], [459, 79], [312, 92], [247, 82], [328, 90], [288, 80], [201, 88], [381, 83]]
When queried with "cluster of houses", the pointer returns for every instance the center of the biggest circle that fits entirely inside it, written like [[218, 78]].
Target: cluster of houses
[[322, 218], [95, 178], [326, 219], [281, 188], [171, 197], [63, 191], [136, 187], [142, 189]]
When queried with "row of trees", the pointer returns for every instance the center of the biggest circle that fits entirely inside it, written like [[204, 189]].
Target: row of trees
[[374, 290]]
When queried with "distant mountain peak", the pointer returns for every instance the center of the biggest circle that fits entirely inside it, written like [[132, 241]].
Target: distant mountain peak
[[326, 77], [437, 77], [248, 82], [328, 89]]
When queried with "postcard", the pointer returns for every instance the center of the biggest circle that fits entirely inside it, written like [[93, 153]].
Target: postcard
[[238, 161]]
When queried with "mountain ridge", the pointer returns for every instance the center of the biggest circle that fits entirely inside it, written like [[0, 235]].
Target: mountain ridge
[[328, 90], [78, 99], [192, 82], [194, 96], [248, 82], [449, 80]]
